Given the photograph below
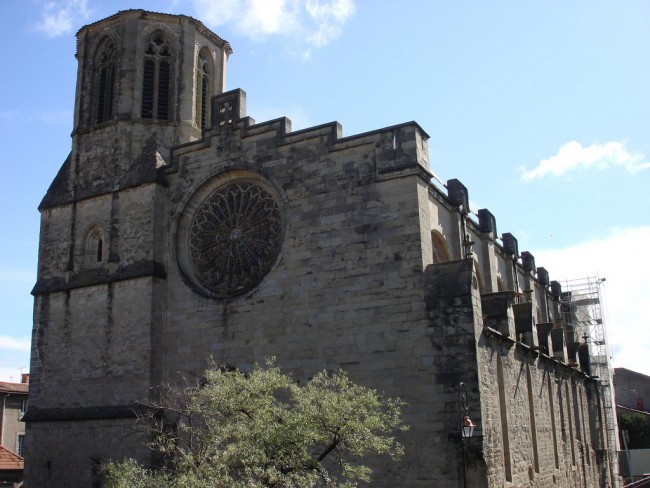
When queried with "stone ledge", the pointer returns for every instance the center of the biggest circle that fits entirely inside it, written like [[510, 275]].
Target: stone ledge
[[100, 276], [105, 412]]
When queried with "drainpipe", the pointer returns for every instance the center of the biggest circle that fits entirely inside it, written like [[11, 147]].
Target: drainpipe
[[625, 437], [2, 424]]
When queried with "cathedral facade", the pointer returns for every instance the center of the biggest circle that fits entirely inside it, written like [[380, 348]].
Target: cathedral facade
[[178, 229]]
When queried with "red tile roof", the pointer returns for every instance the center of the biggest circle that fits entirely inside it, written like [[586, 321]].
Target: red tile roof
[[10, 461], [6, 387]]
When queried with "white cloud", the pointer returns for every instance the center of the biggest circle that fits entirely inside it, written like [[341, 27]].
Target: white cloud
[[20, 344], [62, 16], [616, 258], [316, 22], [329, 17], [572, 156]]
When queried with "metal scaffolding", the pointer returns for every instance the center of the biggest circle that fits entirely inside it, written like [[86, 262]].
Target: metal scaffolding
[[583, 314]]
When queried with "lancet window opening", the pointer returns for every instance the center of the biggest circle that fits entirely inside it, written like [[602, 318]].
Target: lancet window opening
[[204, 73], [94, 247], [156, 79], [105, 66]]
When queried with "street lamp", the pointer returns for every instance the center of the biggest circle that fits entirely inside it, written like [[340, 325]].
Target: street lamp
[[466, 425]]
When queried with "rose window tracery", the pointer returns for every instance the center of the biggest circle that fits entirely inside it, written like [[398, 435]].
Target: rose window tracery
[[235, 237]]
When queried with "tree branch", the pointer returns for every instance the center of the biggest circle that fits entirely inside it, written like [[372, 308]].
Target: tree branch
[[330, 448]]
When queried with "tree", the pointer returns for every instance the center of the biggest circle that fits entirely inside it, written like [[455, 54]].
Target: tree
[[637, 426], [261, 429]]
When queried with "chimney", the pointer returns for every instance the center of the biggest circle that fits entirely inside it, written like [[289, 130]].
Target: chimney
[[24, 378]]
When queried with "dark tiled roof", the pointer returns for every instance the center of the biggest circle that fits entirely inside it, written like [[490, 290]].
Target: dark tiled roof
[[20, 388], [10, 461]]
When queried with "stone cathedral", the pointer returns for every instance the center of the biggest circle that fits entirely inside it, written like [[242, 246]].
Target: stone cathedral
[[178, 229]]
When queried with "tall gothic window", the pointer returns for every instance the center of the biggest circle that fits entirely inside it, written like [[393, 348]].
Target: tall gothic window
[[94, 247], [105, 63], [203, 82], [156, 79]]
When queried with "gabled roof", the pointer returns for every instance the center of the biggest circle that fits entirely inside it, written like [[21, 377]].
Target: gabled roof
[[629, 372], [10, 461], [621, 408], [17, 388]]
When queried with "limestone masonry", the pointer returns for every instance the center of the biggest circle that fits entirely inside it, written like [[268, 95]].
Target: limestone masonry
[[179, 229]]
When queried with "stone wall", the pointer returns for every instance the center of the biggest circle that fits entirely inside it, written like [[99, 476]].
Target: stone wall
[[364, 264], [346, 290], [632, 389], [66, 463]]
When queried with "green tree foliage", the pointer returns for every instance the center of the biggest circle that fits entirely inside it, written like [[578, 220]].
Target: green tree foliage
[[261, 429], [637, 426]]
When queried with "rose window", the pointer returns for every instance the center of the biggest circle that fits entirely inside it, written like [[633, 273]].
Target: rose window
[[235, 237]]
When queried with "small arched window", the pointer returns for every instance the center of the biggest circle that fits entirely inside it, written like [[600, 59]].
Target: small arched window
[[156, 79], [105, 62], [479, 277], [500, 285], [203, 83], [94, 247], [439, 248]]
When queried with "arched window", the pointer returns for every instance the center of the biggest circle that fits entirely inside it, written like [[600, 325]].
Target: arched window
[[156, 79], [105, 61], [94, 247], [479, 278], [203, 83], [500, 285], [439, 248]]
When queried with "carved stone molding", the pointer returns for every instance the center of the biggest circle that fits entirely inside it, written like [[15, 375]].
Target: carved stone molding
[[231, 235]]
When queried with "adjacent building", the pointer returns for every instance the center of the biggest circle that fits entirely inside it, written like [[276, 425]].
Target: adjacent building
[[12, 409], [632, 389], [13, 405], [180, 229], [11, 469]]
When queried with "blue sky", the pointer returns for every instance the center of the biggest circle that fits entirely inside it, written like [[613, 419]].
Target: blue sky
[[539, 108]]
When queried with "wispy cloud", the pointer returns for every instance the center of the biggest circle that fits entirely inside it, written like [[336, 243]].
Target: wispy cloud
[[573, 155], [62, 16], [625, 290], [11, 374], [60, 117], [20, 344], [9, 115], [315, 22], [13, 276], [328, 17]]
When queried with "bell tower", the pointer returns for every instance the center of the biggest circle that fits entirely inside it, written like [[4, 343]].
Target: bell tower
[[144, 84], [144, 75]]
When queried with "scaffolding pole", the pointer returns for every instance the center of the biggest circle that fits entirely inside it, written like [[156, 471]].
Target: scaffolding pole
[[583, 314]]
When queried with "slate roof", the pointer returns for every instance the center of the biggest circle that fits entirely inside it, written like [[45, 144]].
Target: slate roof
[[10, 461]]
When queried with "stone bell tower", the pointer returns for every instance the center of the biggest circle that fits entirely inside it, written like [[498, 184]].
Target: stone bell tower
[[144, 84]]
